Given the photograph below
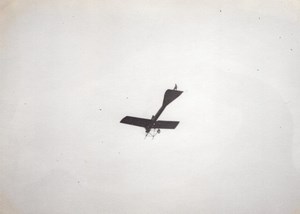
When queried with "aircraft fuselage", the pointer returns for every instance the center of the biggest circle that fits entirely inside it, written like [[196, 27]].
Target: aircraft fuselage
[[155, 118]]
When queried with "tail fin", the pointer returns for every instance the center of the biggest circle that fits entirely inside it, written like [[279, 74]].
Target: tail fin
[[171, 95]]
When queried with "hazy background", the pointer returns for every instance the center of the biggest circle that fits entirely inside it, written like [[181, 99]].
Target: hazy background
[[71, 70]]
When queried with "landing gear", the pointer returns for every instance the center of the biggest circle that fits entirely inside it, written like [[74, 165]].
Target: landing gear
[[153, 133]]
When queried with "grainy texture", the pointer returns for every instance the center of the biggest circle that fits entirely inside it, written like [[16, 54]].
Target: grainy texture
[[70, 70]]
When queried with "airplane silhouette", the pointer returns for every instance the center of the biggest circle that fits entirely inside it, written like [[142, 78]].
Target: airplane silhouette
[[154, 123]]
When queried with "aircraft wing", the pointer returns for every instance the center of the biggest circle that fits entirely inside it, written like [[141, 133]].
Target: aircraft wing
[[135, 121], [161, 124]]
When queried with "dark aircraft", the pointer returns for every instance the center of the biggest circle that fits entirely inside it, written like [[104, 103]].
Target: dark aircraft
[[153, 123]]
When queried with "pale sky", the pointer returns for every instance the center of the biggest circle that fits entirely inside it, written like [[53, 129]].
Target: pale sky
[[71, 70]]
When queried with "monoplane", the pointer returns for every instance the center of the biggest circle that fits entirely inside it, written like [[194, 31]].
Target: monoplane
[[153, 123]]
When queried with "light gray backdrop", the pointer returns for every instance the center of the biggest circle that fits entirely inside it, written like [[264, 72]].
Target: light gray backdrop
[[71, 70]]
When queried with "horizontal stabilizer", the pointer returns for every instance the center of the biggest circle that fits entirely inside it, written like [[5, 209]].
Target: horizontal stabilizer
[[161, 124], [135, 121], [171, 95]]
